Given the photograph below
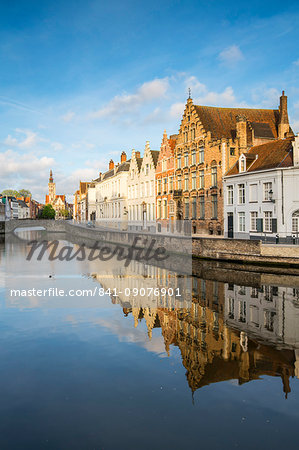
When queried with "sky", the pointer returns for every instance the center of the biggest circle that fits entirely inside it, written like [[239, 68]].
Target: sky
[[81, 81]]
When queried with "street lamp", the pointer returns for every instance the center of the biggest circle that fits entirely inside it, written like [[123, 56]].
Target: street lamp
[[271, 196]]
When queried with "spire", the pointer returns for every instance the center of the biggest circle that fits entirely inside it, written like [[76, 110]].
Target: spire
[[189, 92], [51, 177]]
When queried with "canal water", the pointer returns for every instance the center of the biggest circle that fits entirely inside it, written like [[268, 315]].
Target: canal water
[[209, 361]]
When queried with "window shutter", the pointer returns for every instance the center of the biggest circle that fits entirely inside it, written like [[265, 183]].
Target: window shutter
[[259, 225], [274, 225]]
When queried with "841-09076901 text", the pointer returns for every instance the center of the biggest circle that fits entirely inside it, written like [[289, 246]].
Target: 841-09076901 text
[[98, 291]]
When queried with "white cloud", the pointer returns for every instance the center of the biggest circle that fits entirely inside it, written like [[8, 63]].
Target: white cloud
[[231, 55], [296, 63], [15, 165], [68, 116], [176, 110], [30, 140], [129, 103], [56, 146]]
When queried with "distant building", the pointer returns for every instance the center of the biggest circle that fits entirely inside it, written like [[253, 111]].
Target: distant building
[[58, 202], [23, 210], [80, 207], [261, 193]]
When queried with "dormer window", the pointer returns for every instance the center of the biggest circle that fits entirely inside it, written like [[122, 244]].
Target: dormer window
[[242, 163]]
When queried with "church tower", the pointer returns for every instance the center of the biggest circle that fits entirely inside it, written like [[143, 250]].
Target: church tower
[[52, 188]]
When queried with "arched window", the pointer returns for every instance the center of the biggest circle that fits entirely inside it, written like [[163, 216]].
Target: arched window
[[295, 221]]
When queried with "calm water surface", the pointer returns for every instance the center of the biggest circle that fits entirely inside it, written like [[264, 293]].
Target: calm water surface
[[216, 369]]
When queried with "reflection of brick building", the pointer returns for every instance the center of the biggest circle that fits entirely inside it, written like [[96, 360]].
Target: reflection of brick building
[[210, 141], [211, 351]]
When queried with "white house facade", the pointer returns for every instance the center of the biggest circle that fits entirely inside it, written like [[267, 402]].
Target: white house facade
[[111, 192], [141, 188], [261, 193]]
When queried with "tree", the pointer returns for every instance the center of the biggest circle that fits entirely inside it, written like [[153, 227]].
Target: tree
[[64, 213], [48, 212], [10, 192], [25, 193]]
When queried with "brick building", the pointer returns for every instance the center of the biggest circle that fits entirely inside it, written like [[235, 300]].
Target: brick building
[[165, 179], [210, 141]]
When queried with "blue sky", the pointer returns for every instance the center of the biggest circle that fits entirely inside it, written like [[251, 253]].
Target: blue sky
[[80, 81]]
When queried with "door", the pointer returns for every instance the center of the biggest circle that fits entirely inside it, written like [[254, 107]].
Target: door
[[230, 225]]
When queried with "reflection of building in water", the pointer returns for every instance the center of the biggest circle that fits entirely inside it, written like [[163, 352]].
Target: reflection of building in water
[[211, 350], [270, 313], [144, 286]]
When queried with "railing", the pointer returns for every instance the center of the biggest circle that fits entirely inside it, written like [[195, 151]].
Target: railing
[[277, 238]]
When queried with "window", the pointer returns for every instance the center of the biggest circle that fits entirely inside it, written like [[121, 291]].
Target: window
[[232, 151], [179, 162], [159, 209], [242, 164], [193, 157], [179, 182], [165, 185], [194, 208], [165, 209], [201, 154], [214, 206], [201, 179], [231, 308], [295, 222], [171, 184], [163, 165], [201, 207], [146, 169], [159, 186], [253, 193], [214, 176], [267, 189], [193, 133], [241, 188], [253, 219], [193, 180], [171, 207], [242, 311], [185, 136], [268, 221], [186, 159], [269, 320], [186, 208], [241, 221], [186, 182], [230, 195]]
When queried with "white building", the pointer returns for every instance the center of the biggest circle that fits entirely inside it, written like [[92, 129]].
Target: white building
[[23, 210], [111, 193], [141, 188], [261, 193]]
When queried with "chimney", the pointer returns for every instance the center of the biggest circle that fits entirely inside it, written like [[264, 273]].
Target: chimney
[[241, 127], [100, 175], [111, 164], [283, 124], [137, 154], [295, 144], [123, 157]]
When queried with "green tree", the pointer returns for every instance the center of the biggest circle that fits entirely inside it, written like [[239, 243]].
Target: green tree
[[25, 193], [64, 213], [10, 193], [48, 212]]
